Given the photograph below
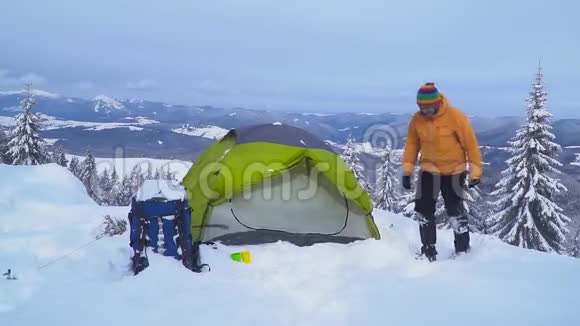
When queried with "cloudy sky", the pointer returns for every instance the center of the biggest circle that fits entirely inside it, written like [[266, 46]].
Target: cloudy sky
[[300, 55]]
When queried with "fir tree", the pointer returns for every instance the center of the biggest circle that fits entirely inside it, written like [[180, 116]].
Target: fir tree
[[4, 157], [350, 155], [75, 167], [26, 147], [105, 188], [88, 175], [526, 214], [574, 247], [115, 189], [387, 196], [59, 157]]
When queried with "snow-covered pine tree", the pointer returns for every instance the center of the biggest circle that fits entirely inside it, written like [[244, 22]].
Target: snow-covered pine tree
[[149, 175], [88, 175], [387, 195], [59, 157], [574, 247], [75, 167], [26, 147], [136, 177], [115, 189], [4, 148], [125, 191], [104, 188], [350, 155], [525, 212]]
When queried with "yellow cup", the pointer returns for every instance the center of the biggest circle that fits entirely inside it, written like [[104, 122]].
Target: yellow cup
[[242, 257]]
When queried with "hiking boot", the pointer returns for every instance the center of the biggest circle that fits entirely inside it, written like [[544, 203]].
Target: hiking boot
[[429, 251]]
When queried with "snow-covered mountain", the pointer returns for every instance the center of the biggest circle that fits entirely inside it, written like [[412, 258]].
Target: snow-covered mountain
[[104, 123], [67, 277]]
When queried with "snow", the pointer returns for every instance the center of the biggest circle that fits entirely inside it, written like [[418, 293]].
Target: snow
[[330, 284], [277, 123], [318, 114], [35, 92], [66, 277], [232, 114], [70, 100], [160, 190], [51, 123], [211, 132], [51, 141], [160, 142], [107, 103], [7, 121], [572, 147]]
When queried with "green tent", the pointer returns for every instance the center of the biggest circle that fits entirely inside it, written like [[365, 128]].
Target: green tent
[[276, 182]]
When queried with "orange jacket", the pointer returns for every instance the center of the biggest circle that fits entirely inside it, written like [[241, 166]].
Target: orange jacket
[[446, 143]]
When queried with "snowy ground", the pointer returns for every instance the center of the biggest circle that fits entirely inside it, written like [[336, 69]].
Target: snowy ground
[[45, 215]]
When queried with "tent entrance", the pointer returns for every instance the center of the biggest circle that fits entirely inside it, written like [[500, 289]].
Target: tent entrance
[[301, 206]]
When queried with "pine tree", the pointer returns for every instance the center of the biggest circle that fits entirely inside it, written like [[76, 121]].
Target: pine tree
[[104, 188], [149, 175], [136, 178], [26, 147], [526, 214], [125, 192], [350, 155], [75, 167], [88, 175], [115, 189], [387, 196], [157, 175], [574, 247], [59, 157], [4, 157]]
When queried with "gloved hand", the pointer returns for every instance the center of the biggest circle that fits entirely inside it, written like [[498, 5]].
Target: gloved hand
[[407, 182], [473, 183]]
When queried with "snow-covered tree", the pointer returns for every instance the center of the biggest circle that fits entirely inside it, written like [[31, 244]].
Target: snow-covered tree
[[4, 157], [75, 167], [59, 157], [105, 189], [387, 195], [526, 214], [350, 155], [88, 175], [115, 189], [574, 247], [26, 147]]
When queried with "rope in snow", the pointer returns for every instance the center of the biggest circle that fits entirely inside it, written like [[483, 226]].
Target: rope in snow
[[71, 252]]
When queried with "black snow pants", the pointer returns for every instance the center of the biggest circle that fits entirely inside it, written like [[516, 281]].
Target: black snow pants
[[452, 189]]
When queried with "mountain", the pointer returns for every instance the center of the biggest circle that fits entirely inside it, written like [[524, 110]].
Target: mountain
[[161, 130]]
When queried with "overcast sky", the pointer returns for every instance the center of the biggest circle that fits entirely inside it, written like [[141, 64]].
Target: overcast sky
[[299, 55]]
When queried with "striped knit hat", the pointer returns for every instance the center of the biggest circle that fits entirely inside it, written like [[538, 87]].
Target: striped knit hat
[[428, 94]]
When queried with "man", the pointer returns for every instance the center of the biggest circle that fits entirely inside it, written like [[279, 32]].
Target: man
[[445, 139]]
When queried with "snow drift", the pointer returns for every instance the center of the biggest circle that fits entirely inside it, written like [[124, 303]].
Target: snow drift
[[44, 214]]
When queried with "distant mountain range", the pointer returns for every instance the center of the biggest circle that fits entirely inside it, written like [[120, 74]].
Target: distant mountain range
[[160, 130]]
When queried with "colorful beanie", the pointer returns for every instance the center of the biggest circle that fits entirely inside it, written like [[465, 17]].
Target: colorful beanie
[[428, 94]]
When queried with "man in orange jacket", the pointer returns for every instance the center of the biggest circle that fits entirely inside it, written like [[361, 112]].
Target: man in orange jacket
[[445, 139]]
